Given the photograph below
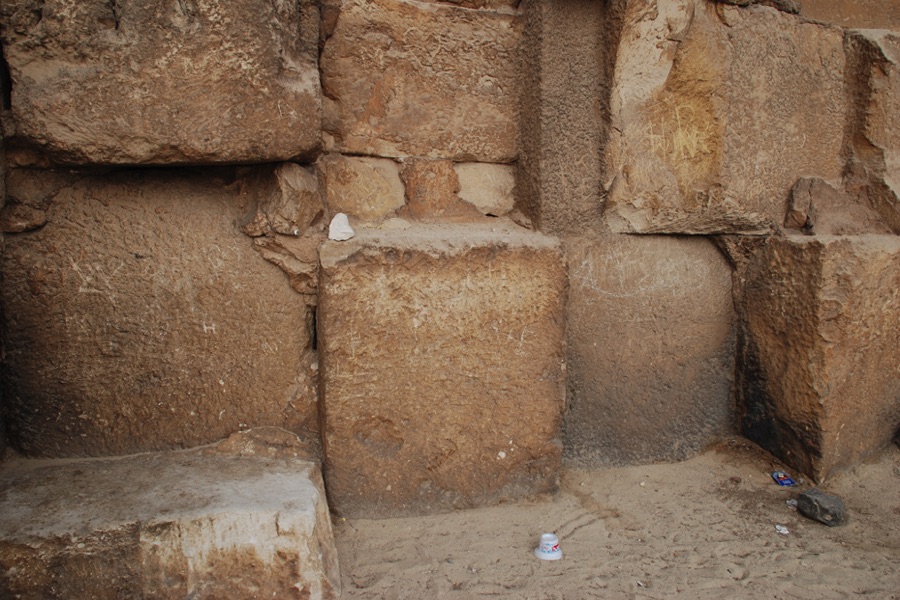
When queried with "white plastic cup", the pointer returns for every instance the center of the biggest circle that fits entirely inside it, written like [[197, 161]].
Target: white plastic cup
[[548, 549]]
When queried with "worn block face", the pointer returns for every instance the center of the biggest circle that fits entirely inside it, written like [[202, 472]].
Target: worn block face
[[419, 79], [818, 379], [138, 317], [442, 367], [716, 111], [178, 525], [874, 172], [88, 78], [651, 349]]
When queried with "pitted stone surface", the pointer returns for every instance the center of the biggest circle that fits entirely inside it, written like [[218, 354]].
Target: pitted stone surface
[[196, 524], [140, 318], [442, 356], [651, 349], [818, 383], [714, 113], [404, 78], [160, 82]]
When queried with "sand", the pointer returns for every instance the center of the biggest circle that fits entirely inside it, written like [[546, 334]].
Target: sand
[[704, 528]]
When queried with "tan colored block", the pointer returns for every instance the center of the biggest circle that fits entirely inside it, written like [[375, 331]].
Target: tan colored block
[[140, 318], [160, 82], [568, 49], [651, 349], [864, 14], [716, 111], [193, 524], [818, 381], [874, 173], [487, 187], [442, 356], [420, 79], [368, 189], [432, 192]]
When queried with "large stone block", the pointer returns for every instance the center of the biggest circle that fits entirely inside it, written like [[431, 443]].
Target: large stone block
[[874, 144], [406, 78], [716, 112], [568, 51], [651, 349], [442, 356], [867, 14], [194, 524], [160, 82], [818, 378], [138, 317]]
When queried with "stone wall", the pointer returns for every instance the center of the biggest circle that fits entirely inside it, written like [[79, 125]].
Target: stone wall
[[171, 169]]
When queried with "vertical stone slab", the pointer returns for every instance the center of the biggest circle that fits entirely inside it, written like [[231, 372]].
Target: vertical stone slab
[[818, 376], [567, 52], [162, 82], [716, 112], [874, 139], [651, 349], [137, 317], [442, 354], [404, 78]]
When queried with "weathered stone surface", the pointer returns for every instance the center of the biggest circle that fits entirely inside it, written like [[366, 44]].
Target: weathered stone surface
[[822, 507], [874, 143], [174, 525], [789, 6], [140, 318], [298, 257], [432, 192], [818, 382], [156, 82], [568, 50], [487, 187], [863, 14], [818, 207], [405, 78], [442, 353], [489, 4], [716, 111], [368, 189], [651, 349], [282, 198]]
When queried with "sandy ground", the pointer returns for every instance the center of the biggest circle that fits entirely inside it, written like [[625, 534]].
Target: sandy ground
[[700, 529]]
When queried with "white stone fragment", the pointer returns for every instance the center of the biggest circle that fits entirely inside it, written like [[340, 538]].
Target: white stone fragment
[[340, 229]]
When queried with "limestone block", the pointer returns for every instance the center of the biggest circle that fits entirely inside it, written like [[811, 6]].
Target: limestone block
[[160, 82], [140, 318], [432, 192], [875, 142], [818, 381], [283, 198], [172, 525], [488, 187], [366, 188], [866, 14], [651, 349], [716, 111], [442, 356], [819, 207], [568, 50], [488, 4], [406, 78]]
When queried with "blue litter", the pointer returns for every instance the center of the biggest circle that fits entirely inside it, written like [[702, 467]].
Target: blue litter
[[782, 478]]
